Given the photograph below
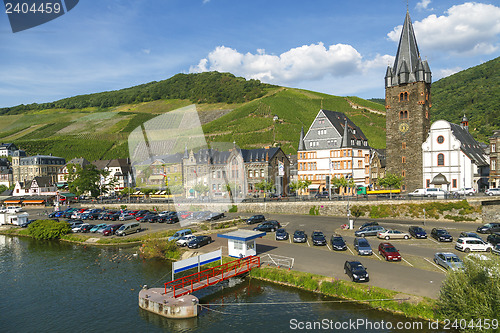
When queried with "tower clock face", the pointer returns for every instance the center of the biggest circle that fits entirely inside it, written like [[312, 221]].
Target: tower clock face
[[403, 127]]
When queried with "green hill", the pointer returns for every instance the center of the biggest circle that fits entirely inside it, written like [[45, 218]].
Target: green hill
[[474, 92]]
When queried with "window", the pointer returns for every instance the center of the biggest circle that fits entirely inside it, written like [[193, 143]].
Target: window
[[250, 173], [440, 159], [262, 173], [403, 97], [360, 164], [493, 147], [493, 165], [403, 173], [238, 245], [403, 115], [440, 139], [454, 183], [403, 159], [427, 183], [403, 145]]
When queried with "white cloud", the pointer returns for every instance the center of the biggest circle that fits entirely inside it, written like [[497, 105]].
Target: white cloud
[[304, 63], [447, 72], [423, 5], [468, 29]]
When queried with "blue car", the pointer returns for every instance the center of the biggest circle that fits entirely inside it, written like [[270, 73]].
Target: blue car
[[417, 232], [98, 227], [281, 234]]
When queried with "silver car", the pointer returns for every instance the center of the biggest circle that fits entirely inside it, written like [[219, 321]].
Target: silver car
[[448, 260]]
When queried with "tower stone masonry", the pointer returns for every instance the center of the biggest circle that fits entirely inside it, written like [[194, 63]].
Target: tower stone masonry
[[408, 102]]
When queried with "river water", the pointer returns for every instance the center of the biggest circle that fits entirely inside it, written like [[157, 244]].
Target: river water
[[51, 286]]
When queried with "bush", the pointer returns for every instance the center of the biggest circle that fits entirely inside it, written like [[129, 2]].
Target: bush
[[314, 210], [471, 293], [233, 209], [48, 229], [160, 248]]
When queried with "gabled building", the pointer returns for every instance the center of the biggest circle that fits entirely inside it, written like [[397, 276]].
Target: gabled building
[[494, 150], [5, 172], [62, 175], [120, 172], [7, 149], [159, 171], [377, 167], [333, 147], [39, 186], [453, 159]]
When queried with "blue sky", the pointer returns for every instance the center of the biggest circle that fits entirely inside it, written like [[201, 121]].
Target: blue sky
[[337, 47]]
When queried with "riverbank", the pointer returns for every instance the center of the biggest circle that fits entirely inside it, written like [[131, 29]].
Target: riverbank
[[410, 306]]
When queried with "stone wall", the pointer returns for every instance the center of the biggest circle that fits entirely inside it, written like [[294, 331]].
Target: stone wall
[[491, 211]]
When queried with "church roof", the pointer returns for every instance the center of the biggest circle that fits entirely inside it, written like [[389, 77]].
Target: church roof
[[351, 132], [407, 48], [469, 145]]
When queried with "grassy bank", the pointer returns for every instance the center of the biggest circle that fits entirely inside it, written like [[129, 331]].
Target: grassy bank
[[414, 307]]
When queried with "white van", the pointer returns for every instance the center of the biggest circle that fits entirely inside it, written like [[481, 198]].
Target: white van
[[14, 209], [419, 192], [179, 234], [128, 228]]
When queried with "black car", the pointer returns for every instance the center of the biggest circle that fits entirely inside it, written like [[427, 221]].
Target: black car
[[356, 271], [299, 236], [87, 227], [321, 195], [281, 234], [318, 238], [368, 224], [214, 216], [199, 241], [417, 232], [256, 219], [171, 219], [493, 239], [441, 235], [338, 243], [268, 226], [489, 228], [469, 234]]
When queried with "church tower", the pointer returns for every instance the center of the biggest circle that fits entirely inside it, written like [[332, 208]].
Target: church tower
[[407, 103]]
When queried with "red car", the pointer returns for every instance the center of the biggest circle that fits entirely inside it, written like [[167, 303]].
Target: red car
[[389, 252], [110, 230]]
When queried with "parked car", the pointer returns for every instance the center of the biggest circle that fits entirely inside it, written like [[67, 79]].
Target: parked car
[[99, 226], [184, 240], [492, 191], [356, 271], [417, 232], [395, 234], [87, 228], [126, 216], [489, 228], [267, 226], [318, 238], [214, 216], [493, 239], [368, 224], [441, 235], [362, 246], [111, 229], [369, 231], [448, 260], [255, 219], [128, 228], [338, 243], [321, 195], [435, 192], [468, 244], [389, 252], [299, 236], [465, 191], [281, 234], [469, 234], [496, 249], [419, 192], [199, 241], [78, 227], [171, 219], [179, 234]]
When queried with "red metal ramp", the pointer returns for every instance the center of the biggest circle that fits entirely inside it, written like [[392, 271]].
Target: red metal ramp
[[188, 284]]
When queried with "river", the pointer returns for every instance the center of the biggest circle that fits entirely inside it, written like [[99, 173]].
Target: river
[[52, 286]]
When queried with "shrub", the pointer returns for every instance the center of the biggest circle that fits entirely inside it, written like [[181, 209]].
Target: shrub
[[233, 209], [160, 248], [48, 229], [314, 210]]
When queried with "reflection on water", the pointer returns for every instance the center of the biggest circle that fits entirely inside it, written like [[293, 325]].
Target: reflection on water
[[59, 287]]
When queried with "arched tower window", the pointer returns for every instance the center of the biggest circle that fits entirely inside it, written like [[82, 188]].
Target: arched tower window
[[403, 115], [404, 96]]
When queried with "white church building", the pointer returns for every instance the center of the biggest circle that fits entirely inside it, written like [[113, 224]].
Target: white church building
[[453, 159]]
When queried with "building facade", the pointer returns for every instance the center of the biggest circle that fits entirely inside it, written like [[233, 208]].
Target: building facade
[[38, 186], [453, 159], [62, 175], [7, 149], [408, 102], [377, 167], [27, 168], [494, 180], [333, 147], [120, 172]]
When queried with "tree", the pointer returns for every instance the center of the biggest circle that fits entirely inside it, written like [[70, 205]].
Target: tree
[[391, 181], [304, 184], [471, 293], [343, 182], [201, 188], [3, 188], [265, 186], [86, 179]]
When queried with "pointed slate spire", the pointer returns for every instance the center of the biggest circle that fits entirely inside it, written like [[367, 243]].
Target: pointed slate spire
[[186, 154], [407, 49], [301, 141], [345, 138]]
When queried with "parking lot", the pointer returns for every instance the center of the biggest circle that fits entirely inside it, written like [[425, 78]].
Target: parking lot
[[416, 273]]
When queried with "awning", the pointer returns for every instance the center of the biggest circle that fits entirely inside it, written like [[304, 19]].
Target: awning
[[313, 186], [33, 201], [440, 179], [12, 201], [67, 195]]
